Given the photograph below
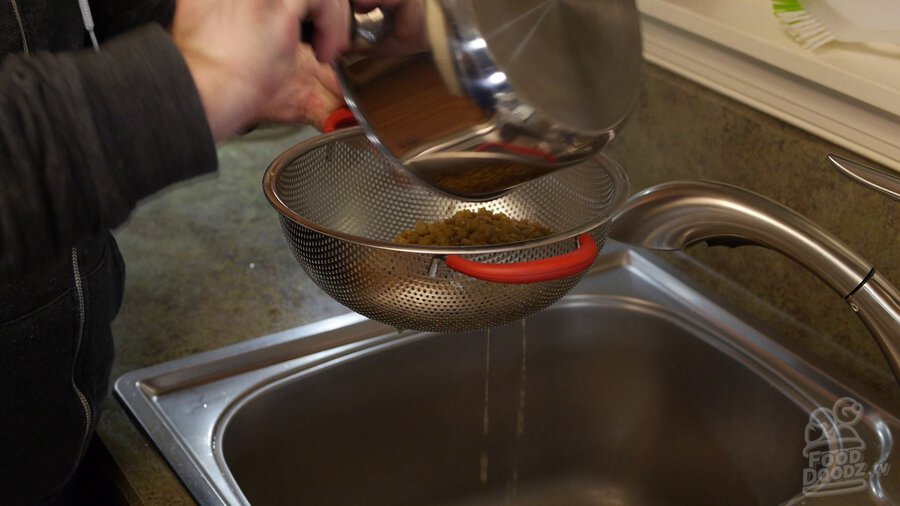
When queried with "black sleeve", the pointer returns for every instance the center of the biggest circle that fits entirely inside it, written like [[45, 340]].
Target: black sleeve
[[84, 136], [113, 17]]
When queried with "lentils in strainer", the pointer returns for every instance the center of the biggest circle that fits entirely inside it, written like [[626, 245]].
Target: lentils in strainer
[[472, 228]]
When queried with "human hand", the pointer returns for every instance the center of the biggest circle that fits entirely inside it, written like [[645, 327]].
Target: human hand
[[311, 92], [242, 53]]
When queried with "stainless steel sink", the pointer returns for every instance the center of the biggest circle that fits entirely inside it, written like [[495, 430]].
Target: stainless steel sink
[[635, 390]]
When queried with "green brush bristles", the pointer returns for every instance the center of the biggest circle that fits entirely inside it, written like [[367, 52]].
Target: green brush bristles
[[783, 6], [803, 27]]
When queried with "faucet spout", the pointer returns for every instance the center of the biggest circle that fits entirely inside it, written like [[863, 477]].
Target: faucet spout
[[675, 215]]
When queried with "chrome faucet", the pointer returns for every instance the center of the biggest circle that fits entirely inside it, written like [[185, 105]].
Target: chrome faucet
[[675, 215]]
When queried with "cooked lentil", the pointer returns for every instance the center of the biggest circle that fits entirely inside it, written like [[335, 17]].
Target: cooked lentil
[[472, 228]]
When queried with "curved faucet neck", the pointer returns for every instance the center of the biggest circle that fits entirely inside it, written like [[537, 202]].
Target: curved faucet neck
[[673, 216]]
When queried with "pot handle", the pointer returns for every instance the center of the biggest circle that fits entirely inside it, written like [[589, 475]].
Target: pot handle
[[533, 271]]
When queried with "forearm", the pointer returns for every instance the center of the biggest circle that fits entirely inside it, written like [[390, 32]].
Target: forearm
[[84, 136]]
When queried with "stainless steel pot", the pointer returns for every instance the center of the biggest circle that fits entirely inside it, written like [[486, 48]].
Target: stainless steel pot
[[505, 91]]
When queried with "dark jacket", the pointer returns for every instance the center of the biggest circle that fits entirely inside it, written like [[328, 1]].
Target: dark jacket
[[85, 135]]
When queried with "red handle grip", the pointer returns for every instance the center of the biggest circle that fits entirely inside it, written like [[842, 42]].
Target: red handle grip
[[341, 118], [533, 271]]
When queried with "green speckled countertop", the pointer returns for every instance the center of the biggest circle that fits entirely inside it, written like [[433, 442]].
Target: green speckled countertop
[[207, 265]]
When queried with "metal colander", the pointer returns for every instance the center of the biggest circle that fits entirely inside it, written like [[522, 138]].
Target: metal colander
[[341, 203]]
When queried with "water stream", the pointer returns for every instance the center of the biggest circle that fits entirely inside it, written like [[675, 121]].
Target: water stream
[[513, 484], [485, 428]]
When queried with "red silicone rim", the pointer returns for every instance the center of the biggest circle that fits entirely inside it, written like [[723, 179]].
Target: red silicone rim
[[545, 269]]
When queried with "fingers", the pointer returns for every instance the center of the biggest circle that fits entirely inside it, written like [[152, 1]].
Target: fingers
[[303, 102], [331, 19], [322, 73], [308, 96], [328, 79]]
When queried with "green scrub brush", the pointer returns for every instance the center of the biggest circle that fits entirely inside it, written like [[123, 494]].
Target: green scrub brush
[[813, 23]]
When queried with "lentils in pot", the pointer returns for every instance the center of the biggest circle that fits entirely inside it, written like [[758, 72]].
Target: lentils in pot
[[472, 228]]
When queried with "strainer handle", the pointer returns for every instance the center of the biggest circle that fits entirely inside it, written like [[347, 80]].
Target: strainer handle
[[545, 269], [341, 118]]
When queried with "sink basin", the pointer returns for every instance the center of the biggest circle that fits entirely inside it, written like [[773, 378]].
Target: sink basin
[[608, 408], [636, 389]]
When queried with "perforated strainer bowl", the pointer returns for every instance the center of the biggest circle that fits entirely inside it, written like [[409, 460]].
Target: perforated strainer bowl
[[341, 203]]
